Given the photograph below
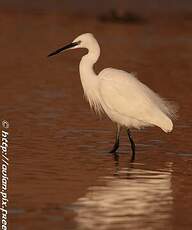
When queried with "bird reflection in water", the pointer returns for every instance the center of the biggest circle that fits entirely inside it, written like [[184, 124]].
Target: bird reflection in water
[[132, 198]]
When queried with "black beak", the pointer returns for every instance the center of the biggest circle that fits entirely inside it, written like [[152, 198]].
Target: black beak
[[73, 44]]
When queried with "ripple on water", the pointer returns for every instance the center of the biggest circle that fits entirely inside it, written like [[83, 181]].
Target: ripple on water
[[135, 199]]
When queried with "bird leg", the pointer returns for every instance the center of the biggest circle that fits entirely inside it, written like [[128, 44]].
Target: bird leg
[[116, 145], [132, 145]]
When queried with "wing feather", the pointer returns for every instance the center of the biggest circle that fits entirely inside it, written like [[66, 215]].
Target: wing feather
[[124, 93]]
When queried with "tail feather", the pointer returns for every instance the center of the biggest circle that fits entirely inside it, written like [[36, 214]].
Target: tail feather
[[165, 123]]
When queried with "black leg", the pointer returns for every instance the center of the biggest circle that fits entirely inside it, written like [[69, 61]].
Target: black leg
[[132, 145], [116, 145], [116, 160]]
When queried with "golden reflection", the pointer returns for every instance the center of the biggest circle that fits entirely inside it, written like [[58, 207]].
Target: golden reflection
[[131, 199]]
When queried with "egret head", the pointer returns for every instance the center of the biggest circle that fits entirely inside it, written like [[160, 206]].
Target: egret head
[[86, 40]]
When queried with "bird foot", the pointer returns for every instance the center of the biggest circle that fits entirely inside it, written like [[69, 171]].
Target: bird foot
[[112, 151]]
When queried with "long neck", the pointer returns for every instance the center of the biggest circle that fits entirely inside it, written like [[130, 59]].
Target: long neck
[[89, 79], [88, 61]]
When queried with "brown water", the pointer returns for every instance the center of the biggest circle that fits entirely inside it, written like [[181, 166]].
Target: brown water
[[61, 175]]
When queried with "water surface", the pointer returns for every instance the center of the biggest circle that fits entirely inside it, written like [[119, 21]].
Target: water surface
[[61, 174]]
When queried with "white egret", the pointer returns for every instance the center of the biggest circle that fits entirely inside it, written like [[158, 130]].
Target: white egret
[[128, 102]]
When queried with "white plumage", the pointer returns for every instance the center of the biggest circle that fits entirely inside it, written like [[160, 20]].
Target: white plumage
[[130, 103], [119, 94]]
